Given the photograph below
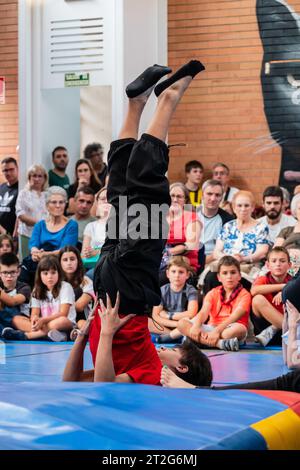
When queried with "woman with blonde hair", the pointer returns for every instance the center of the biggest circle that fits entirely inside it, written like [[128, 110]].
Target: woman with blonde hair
[[31, 205]]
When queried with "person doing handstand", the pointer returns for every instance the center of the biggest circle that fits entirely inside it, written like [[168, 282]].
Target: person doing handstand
[[130, 264]]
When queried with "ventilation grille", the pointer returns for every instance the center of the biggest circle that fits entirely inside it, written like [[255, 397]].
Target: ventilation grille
[[76, 45]]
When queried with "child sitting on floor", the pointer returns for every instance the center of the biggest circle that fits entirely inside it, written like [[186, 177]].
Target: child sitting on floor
[[52, 304], [178, 300], [73, 272], [226, 308], [14, 295], [267, 303]]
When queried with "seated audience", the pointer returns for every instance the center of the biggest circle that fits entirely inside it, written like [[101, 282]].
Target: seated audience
[[244, 238], [57, 176], [8, 195], [14, 295], [73, 273], [178, 300], [184, 231], [83, 203], [94, 233], [31, 206], [226, 308], [274, 217], [50, 235], [194, 174], [221, 173], [94, 153], [85, 175], [267, 306], [212, 218], [6, 244], [53, 311]]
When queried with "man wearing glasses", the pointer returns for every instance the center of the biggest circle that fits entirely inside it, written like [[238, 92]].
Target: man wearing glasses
[[8, 195]]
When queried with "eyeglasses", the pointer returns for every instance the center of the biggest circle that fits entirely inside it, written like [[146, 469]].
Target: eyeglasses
[[177, 196], [9, 273], [57, 203]]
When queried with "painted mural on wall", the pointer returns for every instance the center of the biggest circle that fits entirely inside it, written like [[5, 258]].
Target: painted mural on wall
[[279, 28]]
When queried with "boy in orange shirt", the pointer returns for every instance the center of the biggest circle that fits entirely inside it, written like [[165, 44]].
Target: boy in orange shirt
[[267, 303], [227, 309]]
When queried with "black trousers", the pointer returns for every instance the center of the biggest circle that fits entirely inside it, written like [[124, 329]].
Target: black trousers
[[129, 263], [289, 382]]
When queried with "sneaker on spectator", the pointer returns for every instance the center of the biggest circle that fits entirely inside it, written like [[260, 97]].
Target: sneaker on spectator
[[231, 344], [266, 335], [11, 334], [57, 336]]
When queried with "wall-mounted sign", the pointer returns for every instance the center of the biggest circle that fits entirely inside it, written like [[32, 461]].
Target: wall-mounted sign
[[2, 90], [77, 79]]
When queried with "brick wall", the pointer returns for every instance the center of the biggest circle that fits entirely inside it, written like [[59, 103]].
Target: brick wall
[[9, 69], [221, 117]]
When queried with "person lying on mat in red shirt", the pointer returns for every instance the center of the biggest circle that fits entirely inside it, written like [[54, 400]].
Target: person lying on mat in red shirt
[[186, 360]]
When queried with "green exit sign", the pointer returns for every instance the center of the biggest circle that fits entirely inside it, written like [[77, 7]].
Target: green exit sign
[[77, 79]]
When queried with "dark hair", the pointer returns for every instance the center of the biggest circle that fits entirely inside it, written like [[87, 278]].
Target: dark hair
[[279, 249], [228, 261], [60, 147], [78, 276], [7, 160], [9, 259], [274, 191], [6, 236], [193, 164], [40, 290], [199, 367], [94, 182], [85, 190], [91, 148]]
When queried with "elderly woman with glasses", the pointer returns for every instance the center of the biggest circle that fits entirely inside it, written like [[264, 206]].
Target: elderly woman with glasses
[[51, 234], [184, 230], [31, 206]]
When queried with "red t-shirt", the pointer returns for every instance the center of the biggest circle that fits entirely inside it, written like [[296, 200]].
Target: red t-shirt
[[177, 235], [268, 279], [133, 351], [219, 312]]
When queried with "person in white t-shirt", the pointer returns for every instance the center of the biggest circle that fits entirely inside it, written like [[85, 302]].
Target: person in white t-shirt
[[275, 219], [53, 311], [73, 272], [94, 232]]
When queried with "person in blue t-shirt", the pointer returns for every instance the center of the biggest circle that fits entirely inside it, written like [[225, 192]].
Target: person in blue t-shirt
[[51, 234]]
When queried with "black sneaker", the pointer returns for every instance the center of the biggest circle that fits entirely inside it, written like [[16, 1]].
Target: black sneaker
[[10, 334]]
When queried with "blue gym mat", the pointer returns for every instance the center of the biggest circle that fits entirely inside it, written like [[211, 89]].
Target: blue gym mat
[[38, 411]]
